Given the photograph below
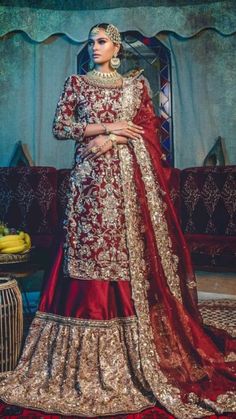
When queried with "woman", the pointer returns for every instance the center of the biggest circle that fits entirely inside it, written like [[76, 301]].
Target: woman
[[118, 329]]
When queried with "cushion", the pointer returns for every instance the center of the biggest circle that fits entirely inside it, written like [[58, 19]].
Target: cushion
[[212, 252], [28, 199], [208, 200]]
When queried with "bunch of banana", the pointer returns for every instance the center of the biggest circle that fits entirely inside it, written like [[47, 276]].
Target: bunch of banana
[[15, 243]]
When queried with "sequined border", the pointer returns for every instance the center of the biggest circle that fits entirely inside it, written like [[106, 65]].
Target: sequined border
[[72, 321], [168, 395], [157, 210]]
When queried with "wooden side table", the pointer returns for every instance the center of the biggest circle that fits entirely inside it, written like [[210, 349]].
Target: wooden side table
[[19, 267]]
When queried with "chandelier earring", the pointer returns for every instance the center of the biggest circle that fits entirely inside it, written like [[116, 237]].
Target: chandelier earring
[[115, 62]]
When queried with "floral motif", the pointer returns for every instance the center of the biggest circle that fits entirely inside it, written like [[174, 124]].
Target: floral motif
[[80, 362]]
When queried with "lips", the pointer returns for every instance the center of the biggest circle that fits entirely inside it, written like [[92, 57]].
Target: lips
[[96, 56]]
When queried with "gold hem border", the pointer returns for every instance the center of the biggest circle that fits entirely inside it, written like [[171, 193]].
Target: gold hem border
[[78, 413], [73, 321]]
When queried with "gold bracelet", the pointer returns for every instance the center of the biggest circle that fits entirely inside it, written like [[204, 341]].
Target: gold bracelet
[[107, 132], [113, 139]]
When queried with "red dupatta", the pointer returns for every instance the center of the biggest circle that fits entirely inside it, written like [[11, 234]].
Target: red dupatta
[[190, 354]]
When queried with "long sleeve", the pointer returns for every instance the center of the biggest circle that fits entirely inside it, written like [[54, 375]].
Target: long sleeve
[[66, 124]]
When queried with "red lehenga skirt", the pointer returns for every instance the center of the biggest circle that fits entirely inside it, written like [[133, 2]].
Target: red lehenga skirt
[[118, 330]]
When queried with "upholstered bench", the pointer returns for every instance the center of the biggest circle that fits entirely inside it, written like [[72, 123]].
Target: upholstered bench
[[208, 215], [34, 199]]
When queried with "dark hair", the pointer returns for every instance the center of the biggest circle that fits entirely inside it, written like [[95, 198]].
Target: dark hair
[[104, 26]]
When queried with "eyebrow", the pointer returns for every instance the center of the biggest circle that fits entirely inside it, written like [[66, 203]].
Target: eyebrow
[[98, 39]]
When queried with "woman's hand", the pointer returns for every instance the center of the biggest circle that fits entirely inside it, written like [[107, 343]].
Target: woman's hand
[[96, 147], [100, 145], [126, 129]]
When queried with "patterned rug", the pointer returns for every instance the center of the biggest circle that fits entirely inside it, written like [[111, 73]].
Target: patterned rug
[[219, 313]]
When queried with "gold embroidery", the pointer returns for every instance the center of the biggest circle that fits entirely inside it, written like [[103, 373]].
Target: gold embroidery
[[72, 321], [228, 399], [67, 124], [95, 246], [79, 367], [166, 394], [231, 357], [98, 104], [131, 98], [157, 210]]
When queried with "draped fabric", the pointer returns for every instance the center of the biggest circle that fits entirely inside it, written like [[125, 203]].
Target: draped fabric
[[185, 18], [106, 339], [202, 105]]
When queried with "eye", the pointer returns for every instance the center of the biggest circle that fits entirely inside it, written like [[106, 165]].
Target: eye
[[102, 41]]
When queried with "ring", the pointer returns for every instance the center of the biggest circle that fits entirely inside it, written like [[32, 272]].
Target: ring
[[94, 149], [130, 123]]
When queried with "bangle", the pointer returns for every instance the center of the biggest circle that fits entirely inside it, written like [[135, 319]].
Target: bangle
[[107, 132], [113, 139]]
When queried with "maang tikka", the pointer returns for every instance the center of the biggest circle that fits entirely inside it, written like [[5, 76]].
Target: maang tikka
[[111, 31]]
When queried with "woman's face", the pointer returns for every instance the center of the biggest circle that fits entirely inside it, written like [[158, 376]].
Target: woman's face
[[101, 49]]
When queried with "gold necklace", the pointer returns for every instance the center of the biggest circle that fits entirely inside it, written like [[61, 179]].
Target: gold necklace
[[113, 78]]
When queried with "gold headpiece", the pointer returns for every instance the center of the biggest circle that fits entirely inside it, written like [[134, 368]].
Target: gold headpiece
[[95, 30], [111, 31]]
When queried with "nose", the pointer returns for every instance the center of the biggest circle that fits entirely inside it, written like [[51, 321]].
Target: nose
[[95, 46]]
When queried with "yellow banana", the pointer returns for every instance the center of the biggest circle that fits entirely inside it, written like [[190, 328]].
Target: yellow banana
[[9, 237], [15, 249], [27, 240], [10, 243], [15, 243]]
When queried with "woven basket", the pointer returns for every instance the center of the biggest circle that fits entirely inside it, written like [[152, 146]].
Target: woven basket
[[11, 323], [6, 259]]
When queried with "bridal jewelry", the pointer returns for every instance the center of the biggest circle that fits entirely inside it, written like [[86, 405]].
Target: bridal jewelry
[[113, 78], [106, 130], [113, 139], [115, 62], [94, 149], [95, 30], [113, 33]]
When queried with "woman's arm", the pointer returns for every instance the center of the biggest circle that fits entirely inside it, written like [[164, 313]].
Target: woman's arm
[[102, 144], [65, 127], [121, 128]]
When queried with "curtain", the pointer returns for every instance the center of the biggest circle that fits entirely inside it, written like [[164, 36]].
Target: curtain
[[204, 95], [31, 82]]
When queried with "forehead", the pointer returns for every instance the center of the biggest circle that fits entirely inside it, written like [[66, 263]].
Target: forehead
[[98, 34]]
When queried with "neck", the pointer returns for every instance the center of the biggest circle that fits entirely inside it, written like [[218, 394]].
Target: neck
[[104, 68]]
